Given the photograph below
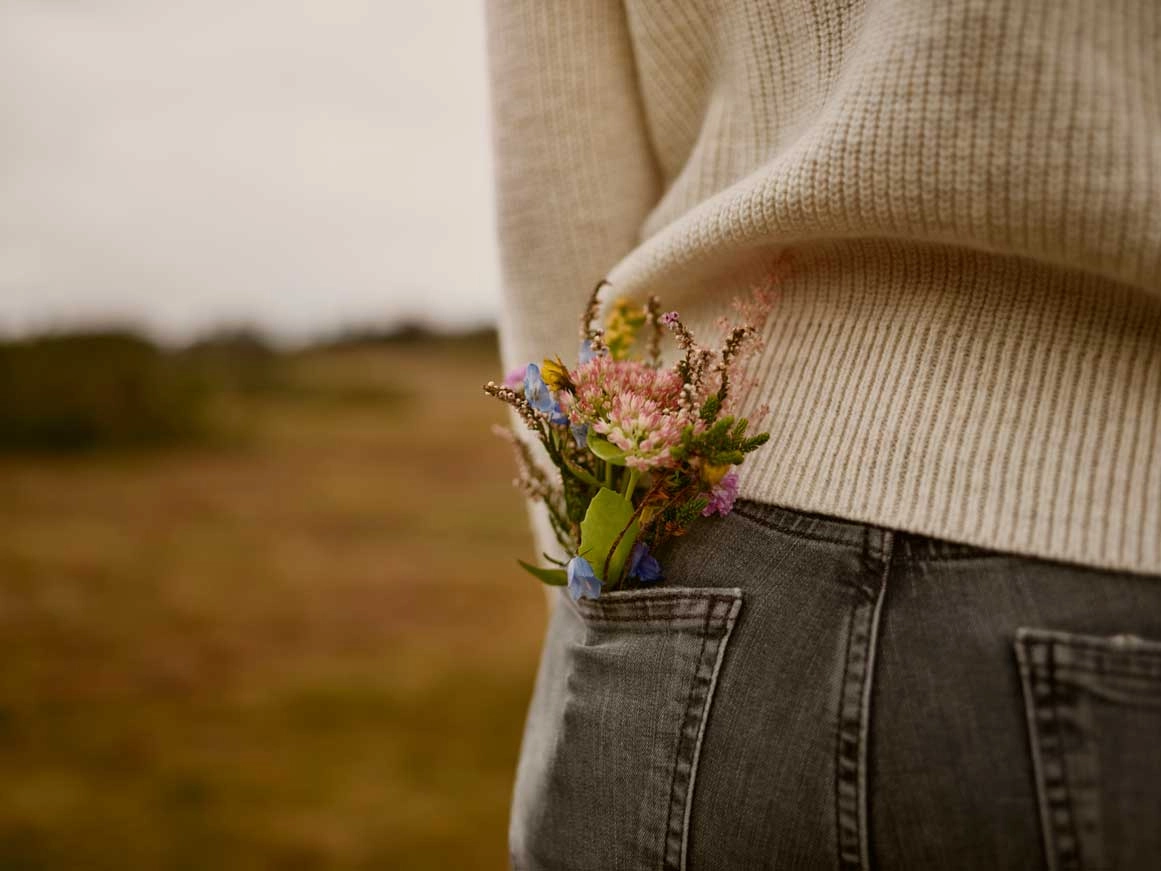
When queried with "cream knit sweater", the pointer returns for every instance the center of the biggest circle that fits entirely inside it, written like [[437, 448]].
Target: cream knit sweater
[[967, 342]]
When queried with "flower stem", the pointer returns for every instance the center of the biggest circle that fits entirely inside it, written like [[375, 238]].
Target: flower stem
[[630, 485], [609, 475], [578, 473]]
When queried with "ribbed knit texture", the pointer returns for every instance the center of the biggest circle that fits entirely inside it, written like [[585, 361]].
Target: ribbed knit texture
[[967, 341]]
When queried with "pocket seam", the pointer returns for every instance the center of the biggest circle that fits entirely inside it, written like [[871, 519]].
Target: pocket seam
[[699, 619], [678, 827], [1053, 792], [1053, 666], [712, 612], [682, 739], [1137, 659], [663, 606]]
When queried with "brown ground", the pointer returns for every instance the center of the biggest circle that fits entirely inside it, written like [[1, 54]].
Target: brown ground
[[309, 647]]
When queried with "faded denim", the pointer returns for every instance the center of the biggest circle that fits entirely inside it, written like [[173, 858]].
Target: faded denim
[[807, 692]]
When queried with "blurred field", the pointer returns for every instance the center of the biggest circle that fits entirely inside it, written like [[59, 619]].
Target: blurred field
[[289, 634]]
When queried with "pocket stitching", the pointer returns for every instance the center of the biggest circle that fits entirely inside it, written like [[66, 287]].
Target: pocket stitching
[[1094, 655], [666, 605], [1046, 681], [1058, 826], [711, 613], [677, 752], [681, 826]]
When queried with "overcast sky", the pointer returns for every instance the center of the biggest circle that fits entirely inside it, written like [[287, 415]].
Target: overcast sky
[[295, 165]]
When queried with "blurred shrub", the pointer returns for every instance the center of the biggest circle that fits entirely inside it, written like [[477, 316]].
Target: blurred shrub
[[238, 360], [79, 391], [115, 389], [415, 334]]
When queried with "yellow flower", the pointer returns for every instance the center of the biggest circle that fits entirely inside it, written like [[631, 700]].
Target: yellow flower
[[621, 328], [555, 375], [712, 475]]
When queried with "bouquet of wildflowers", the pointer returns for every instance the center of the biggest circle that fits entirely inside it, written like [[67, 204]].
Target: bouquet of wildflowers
[[640, 451]]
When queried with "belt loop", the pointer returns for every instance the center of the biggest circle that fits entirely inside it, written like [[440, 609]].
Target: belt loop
[[878, 549]]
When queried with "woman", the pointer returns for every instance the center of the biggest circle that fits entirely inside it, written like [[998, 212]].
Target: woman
[[930, 634]]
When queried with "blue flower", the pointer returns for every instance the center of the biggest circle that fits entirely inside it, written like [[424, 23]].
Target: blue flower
[[536, 391], [580, 434], [644, 566], [586, 353], [582, 580], [540, 397]]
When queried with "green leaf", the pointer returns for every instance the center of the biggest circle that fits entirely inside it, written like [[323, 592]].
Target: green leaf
[[605, 449], [608, 514], [756, 442], [718, 430], [710, 408], [553, 577]]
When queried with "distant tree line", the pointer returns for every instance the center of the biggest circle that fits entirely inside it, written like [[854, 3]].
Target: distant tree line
[[115, 388]]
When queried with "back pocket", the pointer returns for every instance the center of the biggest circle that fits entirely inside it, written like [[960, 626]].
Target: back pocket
[[1094, 718], [610, 751]]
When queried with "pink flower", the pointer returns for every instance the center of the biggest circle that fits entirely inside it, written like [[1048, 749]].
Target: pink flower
[[722, 496], [515, 378], [645, 431], [598, 382]]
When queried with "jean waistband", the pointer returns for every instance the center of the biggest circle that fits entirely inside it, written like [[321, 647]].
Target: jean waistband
[[905, 545]]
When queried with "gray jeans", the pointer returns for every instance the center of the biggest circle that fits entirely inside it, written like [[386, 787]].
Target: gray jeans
[[806, 692]]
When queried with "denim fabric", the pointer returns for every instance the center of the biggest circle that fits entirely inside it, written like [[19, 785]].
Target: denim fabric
[[806, 692]]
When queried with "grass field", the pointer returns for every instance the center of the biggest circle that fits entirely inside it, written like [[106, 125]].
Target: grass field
[[301, 644]]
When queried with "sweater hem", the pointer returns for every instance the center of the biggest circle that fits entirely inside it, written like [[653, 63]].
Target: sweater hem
[[983, 399]]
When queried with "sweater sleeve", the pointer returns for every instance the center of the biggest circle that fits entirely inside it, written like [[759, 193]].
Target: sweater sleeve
[[574, 170]]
